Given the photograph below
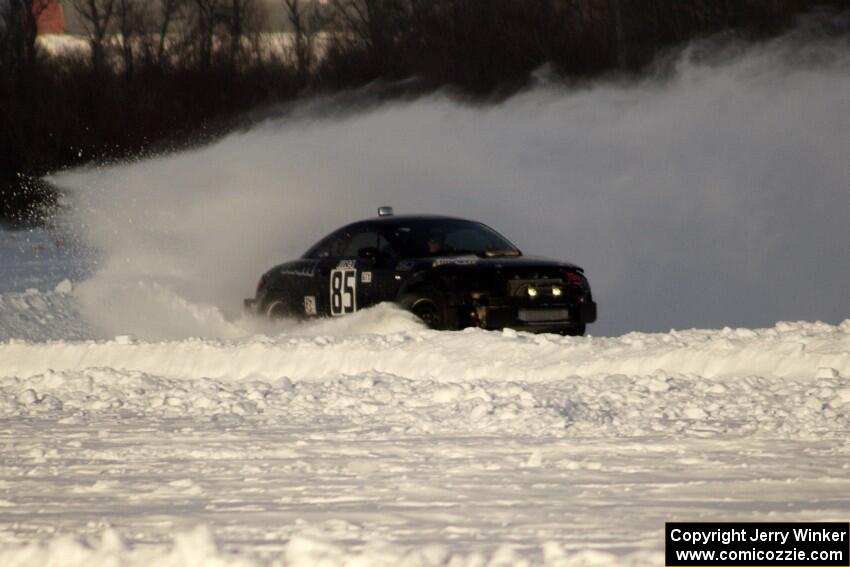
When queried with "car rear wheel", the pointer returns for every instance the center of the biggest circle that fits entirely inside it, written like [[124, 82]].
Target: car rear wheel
[[428, 304], [277, 309]]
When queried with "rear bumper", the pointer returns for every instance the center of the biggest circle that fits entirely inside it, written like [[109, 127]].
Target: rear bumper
[[545, 318]]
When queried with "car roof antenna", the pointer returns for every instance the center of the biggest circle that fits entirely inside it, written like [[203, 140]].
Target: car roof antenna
[[385, 211]]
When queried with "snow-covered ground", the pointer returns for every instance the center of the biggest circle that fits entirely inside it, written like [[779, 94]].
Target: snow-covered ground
[[374, 441]]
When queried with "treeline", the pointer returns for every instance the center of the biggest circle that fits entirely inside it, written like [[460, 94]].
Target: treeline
[[177, 70]]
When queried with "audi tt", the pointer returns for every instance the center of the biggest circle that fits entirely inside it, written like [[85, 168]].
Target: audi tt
[[451, 273]]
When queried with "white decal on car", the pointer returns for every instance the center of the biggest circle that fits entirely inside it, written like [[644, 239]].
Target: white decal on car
[[345, 265], [305, 271], [310, 305], [366, 277], [457, 261], [343, 291]]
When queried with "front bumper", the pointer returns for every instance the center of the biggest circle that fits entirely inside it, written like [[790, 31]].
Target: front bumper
[[540, 318]]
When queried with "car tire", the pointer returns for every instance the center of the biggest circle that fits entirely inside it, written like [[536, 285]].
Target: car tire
[[577, 331], [277, 309], [429, 305]]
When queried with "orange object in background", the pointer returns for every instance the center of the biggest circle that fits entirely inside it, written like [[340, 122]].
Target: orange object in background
[[51, 18]]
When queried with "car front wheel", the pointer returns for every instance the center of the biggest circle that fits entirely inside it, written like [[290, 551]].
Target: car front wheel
[[428, 304]]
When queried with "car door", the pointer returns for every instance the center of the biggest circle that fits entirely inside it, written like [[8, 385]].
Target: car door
[[352, 280], [325, 296], [355, 270], [374, 260], [385, 279]]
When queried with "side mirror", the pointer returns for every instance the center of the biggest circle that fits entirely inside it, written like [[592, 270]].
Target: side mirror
[[368, 253]]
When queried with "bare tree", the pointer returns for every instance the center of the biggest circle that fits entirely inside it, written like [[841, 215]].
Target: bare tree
[[130, 19], [306, 19], [238, 20], [97, 17], [5, 41], [147, 31], [375, 23], [18, 32], [616, 8], [220, 28], [167, 16], [205, 16]]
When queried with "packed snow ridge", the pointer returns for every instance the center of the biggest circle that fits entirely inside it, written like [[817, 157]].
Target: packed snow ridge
[[789, 379], [386, 339], [372, 440]]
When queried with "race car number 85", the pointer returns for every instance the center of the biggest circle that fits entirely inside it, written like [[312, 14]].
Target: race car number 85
[[343, 292]]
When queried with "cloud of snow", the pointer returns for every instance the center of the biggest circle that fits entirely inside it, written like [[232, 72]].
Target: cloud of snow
[[719, 196]]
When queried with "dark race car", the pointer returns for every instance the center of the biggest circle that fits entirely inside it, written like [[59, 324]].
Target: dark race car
[[451, 273]]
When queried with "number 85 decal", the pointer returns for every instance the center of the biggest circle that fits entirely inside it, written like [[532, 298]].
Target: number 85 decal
[[343, 292]]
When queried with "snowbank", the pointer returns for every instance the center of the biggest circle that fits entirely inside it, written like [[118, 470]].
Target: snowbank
[[198, 548], [614, 405], [37, 316], [333, 348]]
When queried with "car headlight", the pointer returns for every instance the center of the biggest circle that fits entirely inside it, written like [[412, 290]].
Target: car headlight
[[556, 291], [532, 292]]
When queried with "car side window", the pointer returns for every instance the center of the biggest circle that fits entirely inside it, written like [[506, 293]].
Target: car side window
[[386, 252], [330, 247], [348, 242], [358, 241]]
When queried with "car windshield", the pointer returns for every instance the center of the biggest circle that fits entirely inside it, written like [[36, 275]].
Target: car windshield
[[423, 238]]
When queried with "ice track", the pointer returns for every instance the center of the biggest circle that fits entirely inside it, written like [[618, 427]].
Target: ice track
[[372, 441]]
